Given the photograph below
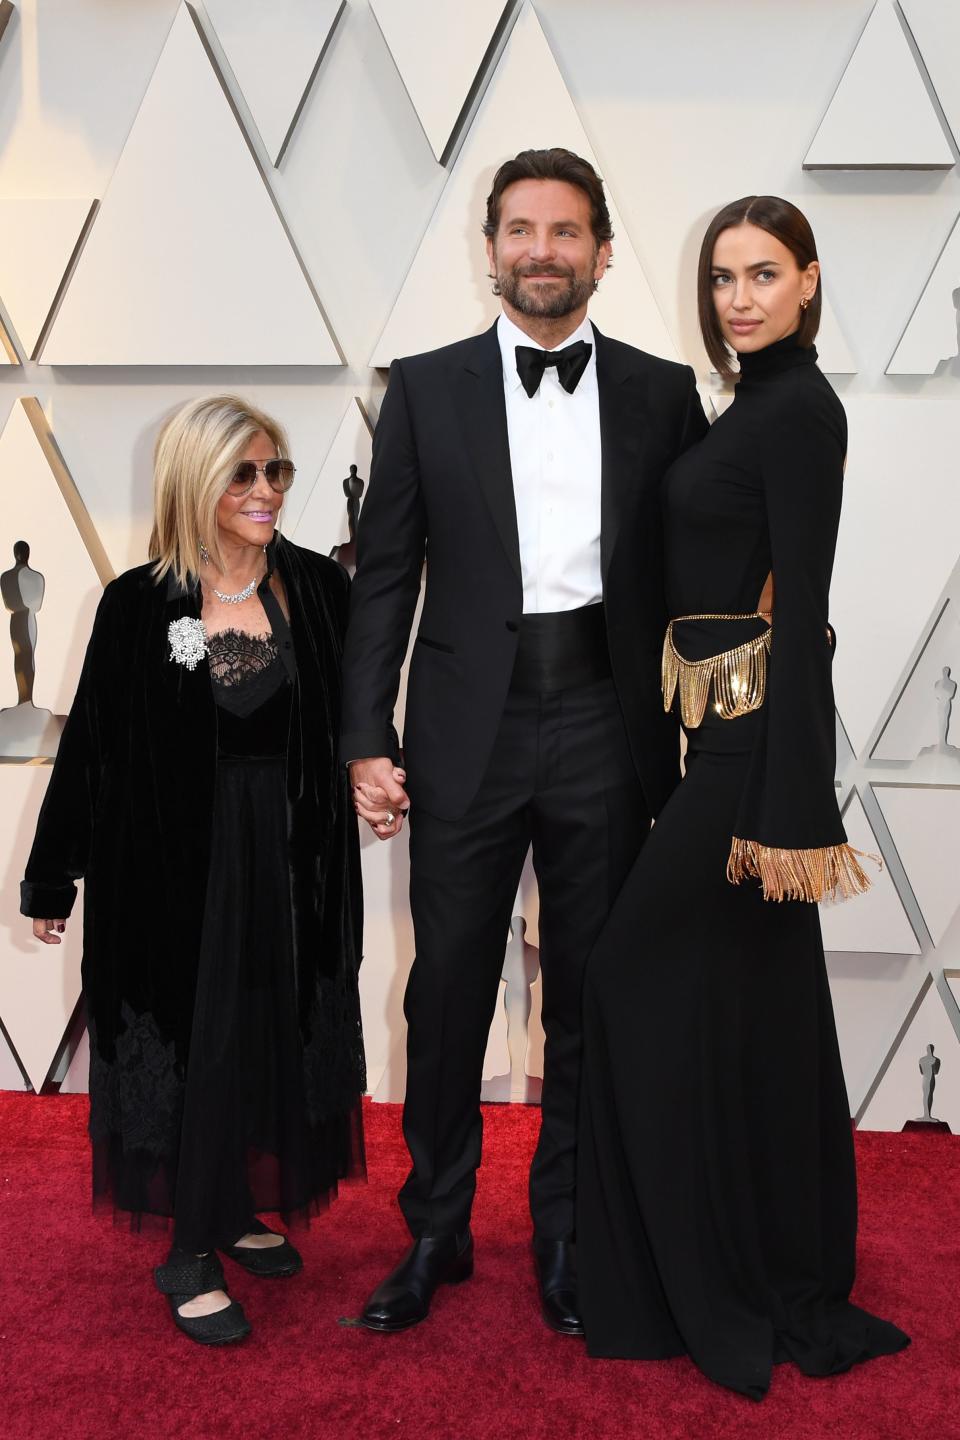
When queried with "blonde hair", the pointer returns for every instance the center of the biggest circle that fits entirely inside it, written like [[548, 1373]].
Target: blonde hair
[[196, 453]]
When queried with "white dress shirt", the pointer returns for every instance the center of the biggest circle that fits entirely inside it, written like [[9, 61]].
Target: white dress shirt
[[555, 458]]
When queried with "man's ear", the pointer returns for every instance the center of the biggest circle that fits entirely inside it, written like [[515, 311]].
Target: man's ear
[[491, 258]]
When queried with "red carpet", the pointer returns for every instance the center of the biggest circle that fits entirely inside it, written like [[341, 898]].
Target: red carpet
[[87, 1348]]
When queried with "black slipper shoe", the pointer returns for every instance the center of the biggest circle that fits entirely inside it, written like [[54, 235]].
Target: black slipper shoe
[[274, 1262], [183, 1278]]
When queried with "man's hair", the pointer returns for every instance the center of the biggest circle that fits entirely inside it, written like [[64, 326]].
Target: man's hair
[[555, 164]]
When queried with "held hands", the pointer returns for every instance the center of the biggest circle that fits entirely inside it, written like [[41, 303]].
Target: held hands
[[49, 931], [379, 796]]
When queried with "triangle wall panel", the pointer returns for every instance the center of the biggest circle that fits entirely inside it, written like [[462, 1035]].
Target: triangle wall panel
[[924, 821], [39, 984], [881, 117], [11, 1076], [924, 725], [446, 294], [438, 49], [274, 52], [40, 237], [322, 524], [935, 26], [57, 591], [875, 922], [899, 1096], [932, 331], [188, 262], [900, 455]]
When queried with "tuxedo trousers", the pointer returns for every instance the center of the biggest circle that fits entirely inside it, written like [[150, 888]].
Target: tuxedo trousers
[[560, 779]]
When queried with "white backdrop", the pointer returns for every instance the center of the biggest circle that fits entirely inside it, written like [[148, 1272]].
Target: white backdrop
[[152, 249]]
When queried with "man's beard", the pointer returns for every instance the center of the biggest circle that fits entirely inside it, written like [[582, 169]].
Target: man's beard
[[546, 302]]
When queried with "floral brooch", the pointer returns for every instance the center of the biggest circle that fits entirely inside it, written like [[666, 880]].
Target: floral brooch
[[188, 641]]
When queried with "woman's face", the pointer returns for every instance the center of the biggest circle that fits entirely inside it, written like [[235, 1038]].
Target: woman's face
[[757, 287], [250, 519]]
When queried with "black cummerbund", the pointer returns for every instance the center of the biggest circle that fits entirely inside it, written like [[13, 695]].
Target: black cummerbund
[[561, 649]]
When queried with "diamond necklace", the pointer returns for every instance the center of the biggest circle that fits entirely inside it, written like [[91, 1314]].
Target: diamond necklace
[[241, 595]]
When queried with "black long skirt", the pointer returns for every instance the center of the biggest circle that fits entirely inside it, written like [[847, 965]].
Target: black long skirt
[[717, 1208], [253, 1136]]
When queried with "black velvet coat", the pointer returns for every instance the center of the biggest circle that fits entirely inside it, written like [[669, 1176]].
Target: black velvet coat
[[129, 808]]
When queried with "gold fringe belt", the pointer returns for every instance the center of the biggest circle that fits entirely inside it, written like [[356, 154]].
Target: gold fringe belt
[[737, 679], [831, 872]]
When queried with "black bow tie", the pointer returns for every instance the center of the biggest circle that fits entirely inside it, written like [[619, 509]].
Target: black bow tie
[[570, 362]]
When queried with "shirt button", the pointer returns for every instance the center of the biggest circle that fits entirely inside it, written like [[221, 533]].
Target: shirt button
[[549, 454], [549, 404]]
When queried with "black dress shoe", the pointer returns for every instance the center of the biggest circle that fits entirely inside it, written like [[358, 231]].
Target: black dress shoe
[[556, 1262], [403, 1299], [273, 1262]]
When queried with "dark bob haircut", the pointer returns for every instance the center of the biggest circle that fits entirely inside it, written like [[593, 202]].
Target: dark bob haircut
[[785, 223], [553, 164]]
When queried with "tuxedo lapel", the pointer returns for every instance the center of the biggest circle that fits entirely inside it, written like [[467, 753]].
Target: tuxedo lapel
[[482, 413], [623, 394]]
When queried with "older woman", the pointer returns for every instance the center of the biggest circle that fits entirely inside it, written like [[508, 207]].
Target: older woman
[[198, 794]]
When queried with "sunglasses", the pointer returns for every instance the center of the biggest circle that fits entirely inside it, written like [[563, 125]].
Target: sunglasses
[[277, 473]]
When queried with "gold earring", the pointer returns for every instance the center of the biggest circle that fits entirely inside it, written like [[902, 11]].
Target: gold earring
[[804, 302]]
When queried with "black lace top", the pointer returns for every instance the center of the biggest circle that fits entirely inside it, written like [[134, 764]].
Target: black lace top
[[252, 690]]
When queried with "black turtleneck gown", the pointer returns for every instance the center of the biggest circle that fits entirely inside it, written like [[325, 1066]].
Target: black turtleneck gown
[[716, 1187]]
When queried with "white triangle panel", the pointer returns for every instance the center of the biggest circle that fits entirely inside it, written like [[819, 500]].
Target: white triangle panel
[[871, 994], [323, 521], [924, 821], [893, 556], [77, 1079], [899, 1096], [833, 353], [925, 722], [952, 978], [438, 49], [446, 294], [274, 51], [39, 984], [11, 1076], [876, 921], [32, 508], [881, 116], [931, 333], [39, 238], [188, 262], [936, 29]]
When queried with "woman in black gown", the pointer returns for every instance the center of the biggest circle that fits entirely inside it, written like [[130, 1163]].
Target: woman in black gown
[[197, 791], [717, 1190]]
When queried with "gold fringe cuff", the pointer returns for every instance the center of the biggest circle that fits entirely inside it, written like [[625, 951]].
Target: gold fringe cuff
[[831, 872]]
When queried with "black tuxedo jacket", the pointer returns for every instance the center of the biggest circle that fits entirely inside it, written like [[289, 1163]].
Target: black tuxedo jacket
[[441, 486]]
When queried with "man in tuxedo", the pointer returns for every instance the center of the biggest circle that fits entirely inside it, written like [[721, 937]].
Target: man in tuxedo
[[526, 464]]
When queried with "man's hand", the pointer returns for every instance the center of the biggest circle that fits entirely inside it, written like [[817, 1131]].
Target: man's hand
[[379, 796], [49, 931]]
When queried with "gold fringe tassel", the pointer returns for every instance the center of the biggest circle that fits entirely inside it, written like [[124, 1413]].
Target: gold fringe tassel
[[737, 679], [831, 872]]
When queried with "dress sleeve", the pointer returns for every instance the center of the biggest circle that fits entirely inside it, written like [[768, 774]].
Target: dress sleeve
[[61, 846], [789, 833]]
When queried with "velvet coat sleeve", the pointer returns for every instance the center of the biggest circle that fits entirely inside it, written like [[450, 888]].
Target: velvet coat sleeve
[[61, 847]]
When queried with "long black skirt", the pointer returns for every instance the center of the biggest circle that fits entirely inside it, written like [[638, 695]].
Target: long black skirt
[[717, 1207], [248, 1125]]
